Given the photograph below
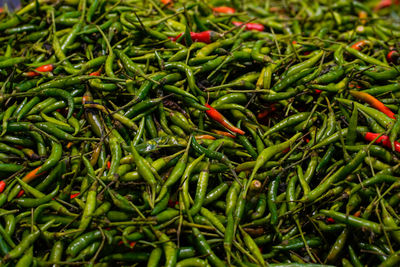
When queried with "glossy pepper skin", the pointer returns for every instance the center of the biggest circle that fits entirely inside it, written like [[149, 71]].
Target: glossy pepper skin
[[200, 133], [204, 37], [218, 117], [250, 26], [38, 70], [382, 140], [375, 103], [224, 10]]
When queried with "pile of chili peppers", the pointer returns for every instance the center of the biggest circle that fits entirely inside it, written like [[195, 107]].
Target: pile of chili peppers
[[200, 133]]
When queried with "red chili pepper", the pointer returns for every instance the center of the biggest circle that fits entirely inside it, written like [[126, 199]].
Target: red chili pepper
[[224, 9], [317, 91], [250, 26], [375, 103], [172, 203], [360, 45], [354, 84], [383, 140], [44, 68], [131, 245], [2, 186], [215, 115], [330, 220], [167, 2], [20, 193], [286, 150], [393, 56], [204, 37], [108, 164], [95, 73], [74, 195], [385, 3], [262, 114], [175, 38]]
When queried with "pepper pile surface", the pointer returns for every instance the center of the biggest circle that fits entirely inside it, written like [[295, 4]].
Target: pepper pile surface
[[198, 133]]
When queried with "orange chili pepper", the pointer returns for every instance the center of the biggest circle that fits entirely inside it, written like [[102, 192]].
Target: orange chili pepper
[[361, 44], [69, 145], [362, 15], [224, 9], [87, 98], [357, 214], [275, 9], [32, 175], [373, 102], [205, 136], [224, 133], [218, 117], [167, 2]]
